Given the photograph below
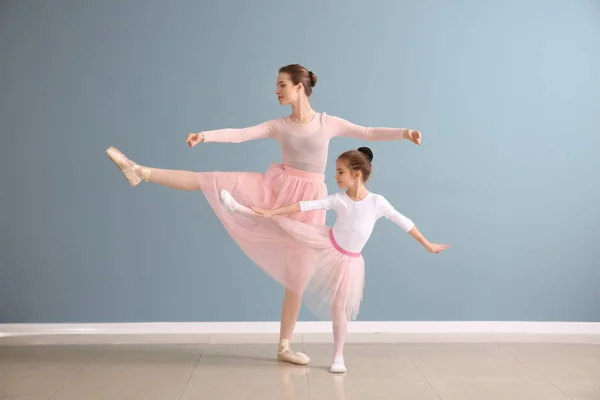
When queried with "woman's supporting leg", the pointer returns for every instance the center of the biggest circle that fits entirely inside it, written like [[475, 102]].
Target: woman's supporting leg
[[290, 309], [292, 301], [289, 315], [174, 179]]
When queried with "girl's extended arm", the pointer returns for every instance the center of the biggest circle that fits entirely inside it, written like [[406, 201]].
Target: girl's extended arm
[[430, 247], [326, 203], [289, 209], [408, 226]]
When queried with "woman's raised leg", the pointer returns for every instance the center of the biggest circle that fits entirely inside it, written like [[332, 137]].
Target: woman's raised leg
[[174, 179]]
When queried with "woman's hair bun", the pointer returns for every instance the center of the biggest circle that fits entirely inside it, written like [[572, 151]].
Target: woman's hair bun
[[367, 152], [313, 78]]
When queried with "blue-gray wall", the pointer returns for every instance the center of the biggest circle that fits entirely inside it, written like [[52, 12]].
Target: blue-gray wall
[[506, 93]]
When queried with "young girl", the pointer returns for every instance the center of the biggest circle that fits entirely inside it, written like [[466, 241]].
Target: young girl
[[336, 274]]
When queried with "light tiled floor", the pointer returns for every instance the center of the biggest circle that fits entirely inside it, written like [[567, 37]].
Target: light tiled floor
[[227, 367]]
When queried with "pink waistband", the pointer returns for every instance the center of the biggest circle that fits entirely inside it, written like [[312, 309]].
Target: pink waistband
[[310, 176], [338, 248]]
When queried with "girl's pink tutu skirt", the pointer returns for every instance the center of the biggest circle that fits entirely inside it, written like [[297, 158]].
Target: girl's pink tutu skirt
[[332, 277], [296, 250]]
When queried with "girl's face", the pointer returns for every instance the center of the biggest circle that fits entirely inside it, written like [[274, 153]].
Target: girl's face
[[345, 177]]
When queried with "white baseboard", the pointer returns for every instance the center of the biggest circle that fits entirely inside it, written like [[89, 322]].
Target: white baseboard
[[368, 327]]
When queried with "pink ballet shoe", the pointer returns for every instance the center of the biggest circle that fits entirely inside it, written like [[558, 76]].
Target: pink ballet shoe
[[293, 357], [287, 355], [127, 167]]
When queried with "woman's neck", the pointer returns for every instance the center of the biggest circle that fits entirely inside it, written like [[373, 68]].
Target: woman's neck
[[302, 112]]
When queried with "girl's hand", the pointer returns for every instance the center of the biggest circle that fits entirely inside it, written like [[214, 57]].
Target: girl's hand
[[436, 248], [261, 212]]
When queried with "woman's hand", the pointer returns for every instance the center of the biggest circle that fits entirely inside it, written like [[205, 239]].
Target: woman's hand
[[414, 136], [194, 138]]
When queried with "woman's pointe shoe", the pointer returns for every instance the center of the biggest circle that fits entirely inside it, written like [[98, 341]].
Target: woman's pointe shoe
[[127, 167], [286, 354]]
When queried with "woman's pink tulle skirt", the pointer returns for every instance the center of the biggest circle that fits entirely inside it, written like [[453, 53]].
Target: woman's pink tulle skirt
[[296, 250]]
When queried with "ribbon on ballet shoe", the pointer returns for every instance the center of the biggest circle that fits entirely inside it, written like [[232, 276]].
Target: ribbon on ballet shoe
[[146, 174]]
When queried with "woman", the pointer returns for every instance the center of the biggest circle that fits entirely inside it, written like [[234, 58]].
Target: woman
[[304, 138]]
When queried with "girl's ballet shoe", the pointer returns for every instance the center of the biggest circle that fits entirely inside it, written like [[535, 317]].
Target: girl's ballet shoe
[[127, 167], [233, 207], [337, 368], [227, 200]]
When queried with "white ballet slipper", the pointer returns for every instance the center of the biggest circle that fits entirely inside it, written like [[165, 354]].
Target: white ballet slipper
[[337, 368], [233, 206], [228, 201]]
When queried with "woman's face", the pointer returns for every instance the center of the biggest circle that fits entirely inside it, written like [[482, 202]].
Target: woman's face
[[286, 91]]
